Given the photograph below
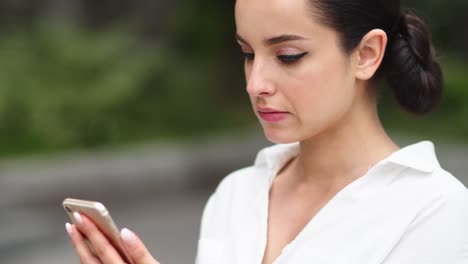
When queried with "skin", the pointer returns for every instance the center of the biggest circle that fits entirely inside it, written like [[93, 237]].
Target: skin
[[106, 253], [330, 103], [329, 99]]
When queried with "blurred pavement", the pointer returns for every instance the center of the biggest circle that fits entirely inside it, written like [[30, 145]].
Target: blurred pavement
[[158, 191]]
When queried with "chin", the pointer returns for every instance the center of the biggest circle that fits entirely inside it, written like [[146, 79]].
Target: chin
[[280, 136]]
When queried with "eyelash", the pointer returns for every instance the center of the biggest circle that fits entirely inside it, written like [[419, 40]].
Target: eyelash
[[285, 59]]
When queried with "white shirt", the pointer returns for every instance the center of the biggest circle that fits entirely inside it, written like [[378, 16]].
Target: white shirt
[[405, 210]]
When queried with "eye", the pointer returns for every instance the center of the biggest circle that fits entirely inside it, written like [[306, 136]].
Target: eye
[[247, 56], [290, 59]]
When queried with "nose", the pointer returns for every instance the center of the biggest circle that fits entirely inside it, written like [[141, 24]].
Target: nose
[[259, 81]]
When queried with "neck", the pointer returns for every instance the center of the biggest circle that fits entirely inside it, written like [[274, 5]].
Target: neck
[[346, 151]]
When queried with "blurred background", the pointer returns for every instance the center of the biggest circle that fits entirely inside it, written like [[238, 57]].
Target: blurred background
[[141, 105]]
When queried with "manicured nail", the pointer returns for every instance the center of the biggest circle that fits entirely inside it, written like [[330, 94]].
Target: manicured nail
[[129, 237], [78, 218], [69, 229]]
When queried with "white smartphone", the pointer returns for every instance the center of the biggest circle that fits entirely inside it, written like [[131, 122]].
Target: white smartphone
[[98, 213]]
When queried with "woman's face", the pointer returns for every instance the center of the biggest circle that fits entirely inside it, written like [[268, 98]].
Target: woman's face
[[299, 80]]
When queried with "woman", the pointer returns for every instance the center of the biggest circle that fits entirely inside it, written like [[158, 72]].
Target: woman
[[336, 189]]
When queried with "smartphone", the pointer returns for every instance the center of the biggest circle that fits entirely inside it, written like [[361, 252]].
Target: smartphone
[[98, 213]]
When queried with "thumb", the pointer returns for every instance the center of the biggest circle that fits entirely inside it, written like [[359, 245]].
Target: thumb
[[136, 249]]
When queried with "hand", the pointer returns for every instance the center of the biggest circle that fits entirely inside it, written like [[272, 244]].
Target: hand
[[105, 252]]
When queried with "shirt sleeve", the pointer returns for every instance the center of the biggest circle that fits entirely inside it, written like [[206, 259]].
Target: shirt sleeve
[[208, 249], [438, 235], [207, 216]]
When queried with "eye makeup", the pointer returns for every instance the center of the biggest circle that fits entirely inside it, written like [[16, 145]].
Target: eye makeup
[[285, 59], [290, 59]]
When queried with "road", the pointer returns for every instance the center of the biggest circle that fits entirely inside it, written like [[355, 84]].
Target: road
[[167, 224], [163, 211]]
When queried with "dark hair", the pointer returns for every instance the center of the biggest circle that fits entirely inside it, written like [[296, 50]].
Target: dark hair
[[409, 63]]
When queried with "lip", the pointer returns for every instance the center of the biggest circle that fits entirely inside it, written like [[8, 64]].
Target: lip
[[271, 115]]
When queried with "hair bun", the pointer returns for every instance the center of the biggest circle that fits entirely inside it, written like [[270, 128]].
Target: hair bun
[[411, 67]]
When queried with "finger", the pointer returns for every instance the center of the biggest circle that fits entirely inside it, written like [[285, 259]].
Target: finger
[[136, 249], [103, 248], [81, 248]]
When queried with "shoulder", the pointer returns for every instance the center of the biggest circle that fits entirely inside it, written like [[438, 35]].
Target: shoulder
[[238, 191], [445, 202], [437, 232], [423, 180], [236, 186], [452, 193], [448, 183], [442, 184], [237, 178], [232, 193]]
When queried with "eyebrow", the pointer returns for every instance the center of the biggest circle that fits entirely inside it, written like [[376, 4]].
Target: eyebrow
[[274, 40]]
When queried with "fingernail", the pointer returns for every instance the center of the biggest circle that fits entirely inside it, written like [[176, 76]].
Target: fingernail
[[69, 229], [78, 218], [129, 237]]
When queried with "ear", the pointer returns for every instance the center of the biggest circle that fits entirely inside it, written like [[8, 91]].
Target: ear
[[370, 53]]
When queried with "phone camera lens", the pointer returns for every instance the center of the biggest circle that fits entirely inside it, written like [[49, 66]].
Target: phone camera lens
[[68, 209]]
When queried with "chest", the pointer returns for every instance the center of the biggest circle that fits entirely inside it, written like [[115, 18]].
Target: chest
[[287, 217], [345, 230]]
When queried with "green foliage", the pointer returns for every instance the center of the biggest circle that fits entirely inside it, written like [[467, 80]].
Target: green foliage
[[63, 88]]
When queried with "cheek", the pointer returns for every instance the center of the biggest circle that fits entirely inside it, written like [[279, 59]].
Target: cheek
[[324, 93]]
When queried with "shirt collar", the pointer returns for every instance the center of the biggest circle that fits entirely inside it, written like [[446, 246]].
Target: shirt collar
[[419, 156], [274, 157]]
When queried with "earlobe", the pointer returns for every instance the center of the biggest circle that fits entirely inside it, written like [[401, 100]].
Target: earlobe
[[371, 51]]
